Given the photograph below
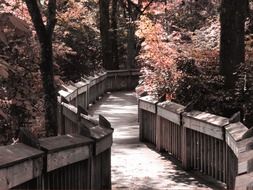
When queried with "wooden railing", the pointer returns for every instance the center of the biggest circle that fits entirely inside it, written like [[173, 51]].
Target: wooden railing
[[204, 142], [80, 156], [89, 89]]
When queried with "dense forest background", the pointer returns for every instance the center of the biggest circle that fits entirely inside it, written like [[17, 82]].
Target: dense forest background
[[175, 44]]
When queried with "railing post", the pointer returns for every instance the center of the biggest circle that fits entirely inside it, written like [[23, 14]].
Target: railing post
[[61, 119], [185, 145], [59, 116], [141, 123], [158, 133]]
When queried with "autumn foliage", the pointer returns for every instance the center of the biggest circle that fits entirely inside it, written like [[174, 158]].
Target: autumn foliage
[[21, 100], [179, 57]]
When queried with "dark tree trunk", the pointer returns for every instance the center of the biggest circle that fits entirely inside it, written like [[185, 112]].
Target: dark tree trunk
[[131, 46], [105, 34], [131, 40], [50, 96], [44, 33], [114, 27], [232, 46]]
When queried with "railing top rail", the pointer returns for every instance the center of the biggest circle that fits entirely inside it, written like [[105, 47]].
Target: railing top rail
[[13, 154], [56, 143], [171, 106], [71, 91], [149, 99], [98, 133], [205, 117], [236, 130], [80, 84]]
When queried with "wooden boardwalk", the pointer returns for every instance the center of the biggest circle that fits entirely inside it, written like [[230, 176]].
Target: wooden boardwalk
[[134, 164]]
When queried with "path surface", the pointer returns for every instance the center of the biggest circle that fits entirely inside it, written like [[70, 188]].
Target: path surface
[[134, 165]]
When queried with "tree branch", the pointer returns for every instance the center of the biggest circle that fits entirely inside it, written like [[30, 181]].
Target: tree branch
[[51, 17], [36, 16], [136, 6], [144, 9]]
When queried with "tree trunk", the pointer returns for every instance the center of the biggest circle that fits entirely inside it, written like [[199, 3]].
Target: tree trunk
[[44, 33], [105, 34], [131, 45], [114, 27], [232, 46], [50, 96], [131, 40]]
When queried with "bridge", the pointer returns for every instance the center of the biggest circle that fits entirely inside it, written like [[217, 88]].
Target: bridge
[[156, 145]]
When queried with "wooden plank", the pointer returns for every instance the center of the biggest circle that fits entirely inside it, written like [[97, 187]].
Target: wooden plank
[[103, 144], [70, 112], [172, 139], [72, 95], [170, 111], [219, 163], [82, 87], [184, 148], [56, 143], [208, 118], [64, 94], [66, 157], [148, 103], [203, 127], [236, 130], [180, 141], [158, 133], [232, 143], [169, 127], [227, 164], [190, 134], [13, 154], [209, 155], [243, 144], [141, 118], [201, 152], [20, 173], [204, 154], [195, 149], [213, 156]]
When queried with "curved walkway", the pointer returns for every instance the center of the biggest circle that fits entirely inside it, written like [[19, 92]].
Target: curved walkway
[[134, 164]]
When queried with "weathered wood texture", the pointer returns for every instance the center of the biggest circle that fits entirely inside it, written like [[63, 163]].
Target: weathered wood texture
[[170, 138], [72, 176], [19, 163], [101, 170], [200, 141], [148, 127], [65, 162]]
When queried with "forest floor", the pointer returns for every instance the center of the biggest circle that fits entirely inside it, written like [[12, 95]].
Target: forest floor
[[134, 164]]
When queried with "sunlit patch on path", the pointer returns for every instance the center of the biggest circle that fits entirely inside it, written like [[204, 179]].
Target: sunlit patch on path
[[134, 165]]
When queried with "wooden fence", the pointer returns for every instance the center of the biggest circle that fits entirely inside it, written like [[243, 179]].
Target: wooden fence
[[80, 156], [89, 89], [204, 142]]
